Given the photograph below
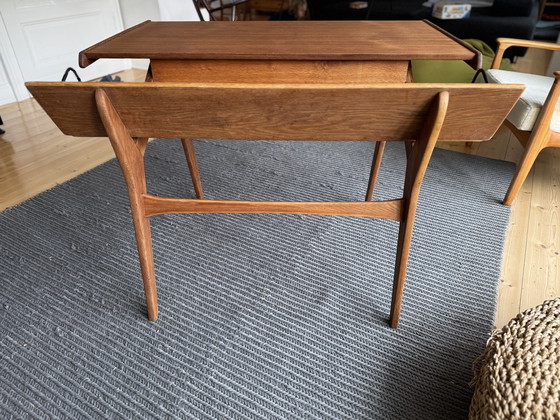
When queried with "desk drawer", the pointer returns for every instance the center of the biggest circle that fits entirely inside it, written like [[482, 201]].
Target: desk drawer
[[281, 71]]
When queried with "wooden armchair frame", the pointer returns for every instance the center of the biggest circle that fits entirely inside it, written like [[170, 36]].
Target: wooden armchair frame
[[394, 112], [541, 135], [221, 7], [201, 5]]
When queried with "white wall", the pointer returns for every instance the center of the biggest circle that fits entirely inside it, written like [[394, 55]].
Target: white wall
[[177, 10], [11, 87], [136, 11], [132, 12], [6, 92]]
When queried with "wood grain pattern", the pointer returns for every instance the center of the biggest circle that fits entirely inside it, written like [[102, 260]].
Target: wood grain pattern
[[505, 43], [510, 290], [254, 112], [131, 160], [279, 71], [85, 61], [390, 209], [476, 61], [281, 40], [143, 105], [416, 166], [541, 276]]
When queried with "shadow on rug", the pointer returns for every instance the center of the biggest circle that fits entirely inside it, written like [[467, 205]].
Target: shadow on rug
[[261, 316]]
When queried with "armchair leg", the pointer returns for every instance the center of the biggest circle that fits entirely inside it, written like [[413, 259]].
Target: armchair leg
[[519, 178], [532, 150], [539, 139]]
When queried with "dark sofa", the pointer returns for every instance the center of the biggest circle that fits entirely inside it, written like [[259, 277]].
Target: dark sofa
[[505, 18]]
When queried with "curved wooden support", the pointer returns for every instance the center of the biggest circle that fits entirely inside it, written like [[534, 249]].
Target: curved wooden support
[[390, 209], [375, 165], [415, 169], [131, 160], [190, 155]]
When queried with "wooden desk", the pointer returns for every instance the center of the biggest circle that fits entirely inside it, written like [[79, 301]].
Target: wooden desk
[[285, 78], [283, 52], [422, 112]]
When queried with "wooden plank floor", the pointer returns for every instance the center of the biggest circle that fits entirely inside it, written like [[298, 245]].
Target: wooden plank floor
[[35, 156], [530, 266]]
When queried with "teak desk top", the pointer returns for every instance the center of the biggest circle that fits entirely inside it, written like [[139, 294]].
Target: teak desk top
[[283, 40]]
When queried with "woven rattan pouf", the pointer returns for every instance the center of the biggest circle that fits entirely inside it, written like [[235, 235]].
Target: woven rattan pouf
[[518, 376]]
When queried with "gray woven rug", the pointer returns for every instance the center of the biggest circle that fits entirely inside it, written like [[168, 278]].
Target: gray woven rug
[[261, 316]]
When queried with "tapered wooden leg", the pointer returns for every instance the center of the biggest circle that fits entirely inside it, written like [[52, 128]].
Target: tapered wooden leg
[[190, 154], [417, 163], [534, 144], [129, 154], [408, 146], [538, 140], [145, 254], [375, 165], [521, 173], [403, 251]]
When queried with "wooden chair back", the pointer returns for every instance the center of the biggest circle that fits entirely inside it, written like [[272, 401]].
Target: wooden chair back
[[130, 113], [201, 7], [221, 9]]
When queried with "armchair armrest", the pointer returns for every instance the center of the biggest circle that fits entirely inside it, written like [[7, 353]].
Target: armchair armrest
[[505, 43]]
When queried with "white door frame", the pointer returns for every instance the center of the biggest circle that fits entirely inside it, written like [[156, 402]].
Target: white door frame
[[13, 72]]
